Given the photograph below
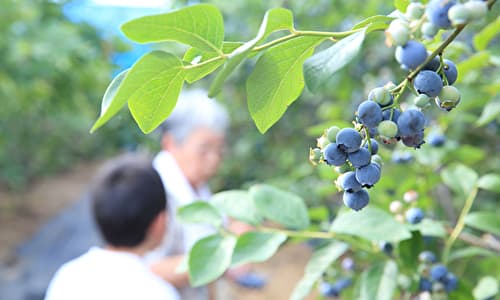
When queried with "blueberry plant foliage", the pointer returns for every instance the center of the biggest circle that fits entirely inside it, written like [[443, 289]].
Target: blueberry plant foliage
[[366, 252]]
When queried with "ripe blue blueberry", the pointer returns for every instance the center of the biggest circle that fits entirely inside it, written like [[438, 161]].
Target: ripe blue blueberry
[[326, 289], [386, 247], [411, 122], [411, 55], [414, 141], [414, 215], [428, 82], [427, 257], [369, 113], [450, 282], [450, 71], [348, 140], [386, 114], [368, 175], [360, 158], [348, 182], [334, 156], [425, 285], [342, 283], [437, 12], [436, 139], [356, 200], [374, 146], [438, 272], [433, 65]]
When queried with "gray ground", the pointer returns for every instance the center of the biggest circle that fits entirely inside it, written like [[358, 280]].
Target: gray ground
[[64, 237]]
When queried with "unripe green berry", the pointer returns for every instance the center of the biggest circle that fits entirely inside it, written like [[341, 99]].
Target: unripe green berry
[[448, 98], [477, 9], [343, 168], [390, 85], [458, 14], [322, 142], [398, 33], [315, 156], [331, 133], [415, 10], [421, 100], [388, 129], [380, 95], [429, 30], [377, 159]]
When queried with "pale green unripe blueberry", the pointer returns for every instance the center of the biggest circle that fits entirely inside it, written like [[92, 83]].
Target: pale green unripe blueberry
[[390, 85], [477, 9], [415, 10], [387, 129], [377, 159], [331, 134], [429, 30], [421, 100], [343, 168], [398, 33], [315, 155], [458, 14], [380, 95], [448, 98], [322, 142]]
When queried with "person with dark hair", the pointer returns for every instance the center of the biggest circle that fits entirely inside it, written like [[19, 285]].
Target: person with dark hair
[[129, 207]]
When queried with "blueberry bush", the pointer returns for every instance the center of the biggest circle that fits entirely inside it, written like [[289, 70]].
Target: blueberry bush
[[399, 143]]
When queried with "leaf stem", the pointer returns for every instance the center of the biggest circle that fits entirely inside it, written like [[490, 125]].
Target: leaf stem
[[460, 224], [206, 62]]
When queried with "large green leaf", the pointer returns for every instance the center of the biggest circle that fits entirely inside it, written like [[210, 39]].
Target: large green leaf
[[474, 62], [372, 224], [483, 38], [200, 26], [256, 246], [151, 88], [486, 288], [490, 112], [280, 206], [372, 20], [486, 221], [408, 250], [209, 258], [320, 261], [379, 282], [237, 204], [275, 19], [110, 104], [321, 66], [199, 212], [401, 5], [490, 182], [459, 178], [277, 80], [469, 252], [199, 66], [429, 227]]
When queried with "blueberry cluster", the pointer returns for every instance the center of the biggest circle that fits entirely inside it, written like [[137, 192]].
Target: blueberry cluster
[[434, 277]]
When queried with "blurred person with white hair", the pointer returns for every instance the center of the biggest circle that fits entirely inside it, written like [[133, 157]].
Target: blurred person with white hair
[[192, 148]]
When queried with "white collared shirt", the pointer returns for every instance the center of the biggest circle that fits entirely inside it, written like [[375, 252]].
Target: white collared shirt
[[102, 274]]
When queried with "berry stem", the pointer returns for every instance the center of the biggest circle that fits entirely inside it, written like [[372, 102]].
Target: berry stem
[[460, 224]]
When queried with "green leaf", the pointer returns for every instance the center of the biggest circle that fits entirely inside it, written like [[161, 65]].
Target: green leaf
[[152, 87], [460, 178], [372, 224], [317, 265], [274, 19], [277, 80], [372, 20], [490, 182], [237, 204], [486, 287], [280, 206], [321, 66], [477, 61], [198, 68], [409, 249], [429, 227], [490, 112], [256, 246], [401, 5], [110, 104], [469, 252], [200, 26], [199, 212], [485, 221], [209, 258], [483, 38], [379, 282]]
